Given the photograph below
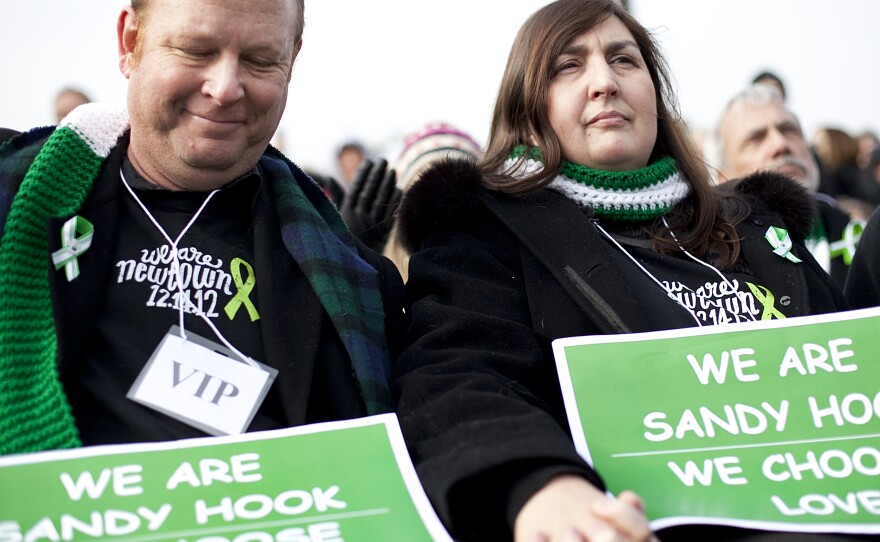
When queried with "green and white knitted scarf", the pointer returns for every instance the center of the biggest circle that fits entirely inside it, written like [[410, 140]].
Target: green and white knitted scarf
[[35, 412], [641, 194]]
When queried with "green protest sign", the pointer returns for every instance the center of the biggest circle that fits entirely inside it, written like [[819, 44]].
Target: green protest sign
[[334, 482], [771, 425]]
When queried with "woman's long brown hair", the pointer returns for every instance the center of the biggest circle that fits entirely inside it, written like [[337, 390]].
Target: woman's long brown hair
[[701, 223]]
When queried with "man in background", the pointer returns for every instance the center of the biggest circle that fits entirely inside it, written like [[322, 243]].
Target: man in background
[[349, 157], [758, 132], [67, 100]]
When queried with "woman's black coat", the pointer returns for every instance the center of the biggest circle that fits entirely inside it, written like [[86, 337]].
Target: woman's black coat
[[494, 279]]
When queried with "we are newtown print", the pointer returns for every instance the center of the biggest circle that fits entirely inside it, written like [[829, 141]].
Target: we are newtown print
[[201, 283], [723, 302]]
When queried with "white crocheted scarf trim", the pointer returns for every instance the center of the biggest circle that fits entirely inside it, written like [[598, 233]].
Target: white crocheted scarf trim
[[650, 201]]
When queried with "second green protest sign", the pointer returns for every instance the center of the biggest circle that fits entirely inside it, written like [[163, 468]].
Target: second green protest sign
[[770, 425]]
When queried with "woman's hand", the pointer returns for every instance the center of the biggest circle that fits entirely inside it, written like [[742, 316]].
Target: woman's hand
[[570, 509]]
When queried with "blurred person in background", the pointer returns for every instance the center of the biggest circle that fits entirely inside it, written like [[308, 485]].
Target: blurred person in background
[[838, 155], [758, 132], [868, 141], [770, 79], [369, 205], [422, 148], [349, 156], [67, 100]]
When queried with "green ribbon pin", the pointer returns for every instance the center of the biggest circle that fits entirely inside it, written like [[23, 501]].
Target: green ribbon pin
[[244, 290], [767, 300], [846, 246], [781, 243], [72, 246]]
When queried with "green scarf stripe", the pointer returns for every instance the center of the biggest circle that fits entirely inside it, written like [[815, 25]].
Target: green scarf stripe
[[520, 150], [34, 412], [630, 215], [621, 180], [609, 180]]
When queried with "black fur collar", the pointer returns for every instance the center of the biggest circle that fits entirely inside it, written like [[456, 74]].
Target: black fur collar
[[782, 195], [448, 193]]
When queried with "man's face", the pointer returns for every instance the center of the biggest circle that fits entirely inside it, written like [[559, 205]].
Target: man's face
[[349, 161], [207, 86], [766, 136]]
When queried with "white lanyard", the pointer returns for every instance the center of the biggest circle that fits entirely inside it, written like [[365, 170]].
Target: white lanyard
[[175, 270], [669, 293]]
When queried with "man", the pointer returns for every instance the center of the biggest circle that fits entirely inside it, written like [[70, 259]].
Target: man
[[349, 157], [149, 254], [758, 132], [67, 100], [771, 79], [862, 287]]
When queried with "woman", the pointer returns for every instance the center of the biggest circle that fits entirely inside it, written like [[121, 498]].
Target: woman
[[588, 170]]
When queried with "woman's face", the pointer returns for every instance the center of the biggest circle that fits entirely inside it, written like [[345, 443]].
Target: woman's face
[[601, 101]]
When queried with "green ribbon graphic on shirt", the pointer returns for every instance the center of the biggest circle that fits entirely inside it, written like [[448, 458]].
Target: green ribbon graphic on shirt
[[72, 246], [781, 243], [244, 290], [846, 246], [767, 300]]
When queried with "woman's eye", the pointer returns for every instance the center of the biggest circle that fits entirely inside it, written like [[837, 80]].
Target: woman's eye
[[565, 66]]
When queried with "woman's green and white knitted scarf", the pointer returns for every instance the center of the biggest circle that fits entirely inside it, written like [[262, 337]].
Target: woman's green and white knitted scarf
[[641, 194]]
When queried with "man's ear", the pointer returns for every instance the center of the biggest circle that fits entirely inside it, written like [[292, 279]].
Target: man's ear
[[126, 34], [296, 50]]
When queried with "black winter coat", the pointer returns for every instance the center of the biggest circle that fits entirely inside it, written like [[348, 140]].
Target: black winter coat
[[492, 281], [863, 282]]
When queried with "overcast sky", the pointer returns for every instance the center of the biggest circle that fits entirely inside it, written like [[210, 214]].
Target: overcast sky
[[379, 69]]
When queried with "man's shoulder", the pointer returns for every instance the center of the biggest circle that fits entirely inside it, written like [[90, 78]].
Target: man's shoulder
[[17, 152], [12, 141], [7, 134], [838, 223], [830, 210]]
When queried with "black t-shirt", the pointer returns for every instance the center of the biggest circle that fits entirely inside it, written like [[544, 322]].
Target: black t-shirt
[[142, 301], [700, 293]]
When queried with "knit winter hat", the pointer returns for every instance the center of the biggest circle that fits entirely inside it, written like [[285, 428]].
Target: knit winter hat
[[429, 144]]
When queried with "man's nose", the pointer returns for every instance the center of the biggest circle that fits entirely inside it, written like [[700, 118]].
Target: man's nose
[[223, 81], [777, 142]]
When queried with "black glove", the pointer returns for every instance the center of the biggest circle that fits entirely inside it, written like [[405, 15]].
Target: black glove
[[369, 206], [330, 186]]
